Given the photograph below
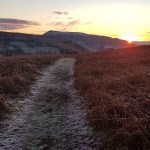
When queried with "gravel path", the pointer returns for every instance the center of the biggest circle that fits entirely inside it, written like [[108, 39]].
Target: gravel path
[[52, 117]]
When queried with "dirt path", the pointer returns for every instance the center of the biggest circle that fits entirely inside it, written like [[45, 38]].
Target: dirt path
[[52, 117]]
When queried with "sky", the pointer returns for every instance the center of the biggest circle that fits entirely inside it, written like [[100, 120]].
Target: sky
[[125, 19]]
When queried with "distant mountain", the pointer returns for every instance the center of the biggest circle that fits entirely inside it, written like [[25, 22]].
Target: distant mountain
[[87, 41], [56, 42], [18, 43], [142, 43]]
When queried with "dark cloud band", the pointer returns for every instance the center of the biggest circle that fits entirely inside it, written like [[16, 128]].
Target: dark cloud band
[[12, 24]]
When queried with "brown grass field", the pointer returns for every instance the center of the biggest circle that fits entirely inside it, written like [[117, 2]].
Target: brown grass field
[[18, 72], [116, 88]]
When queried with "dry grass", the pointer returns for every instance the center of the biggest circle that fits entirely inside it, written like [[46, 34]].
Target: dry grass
[[116, 88], [18, 72]]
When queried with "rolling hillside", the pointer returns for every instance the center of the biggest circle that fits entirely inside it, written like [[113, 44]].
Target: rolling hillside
[[88, 41], [56, 42]]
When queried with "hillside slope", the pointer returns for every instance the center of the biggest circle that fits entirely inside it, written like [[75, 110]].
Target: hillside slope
[[56, 42], [18, 43], [88, 41]]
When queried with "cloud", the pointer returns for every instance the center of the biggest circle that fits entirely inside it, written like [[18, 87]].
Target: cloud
[[60, 12], [70, 18], [73, 23], [86, 23], [12, 24], [65, 24], [66, 13], [57, 23]]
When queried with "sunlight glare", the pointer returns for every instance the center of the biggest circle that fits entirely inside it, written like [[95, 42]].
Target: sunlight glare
[[130, 38]]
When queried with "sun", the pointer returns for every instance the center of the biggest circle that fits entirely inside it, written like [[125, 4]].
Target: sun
[[130, 38]]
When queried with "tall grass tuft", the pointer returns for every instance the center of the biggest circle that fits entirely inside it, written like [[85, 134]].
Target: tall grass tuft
[[18, 72], [116, 88]]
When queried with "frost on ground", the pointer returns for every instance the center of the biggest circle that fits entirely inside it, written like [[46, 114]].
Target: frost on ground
[[52, 117]]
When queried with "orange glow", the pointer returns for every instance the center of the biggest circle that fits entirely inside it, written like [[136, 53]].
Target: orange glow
[[130, 38]]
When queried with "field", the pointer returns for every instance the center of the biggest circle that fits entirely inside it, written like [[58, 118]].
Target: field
[[17, 73], [116, 89], [114, 84]]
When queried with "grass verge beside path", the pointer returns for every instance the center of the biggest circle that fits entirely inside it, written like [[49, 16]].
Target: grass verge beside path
[[116, 88], [18, 72]]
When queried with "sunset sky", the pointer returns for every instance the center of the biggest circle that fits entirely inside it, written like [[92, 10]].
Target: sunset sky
[[126, 19]]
